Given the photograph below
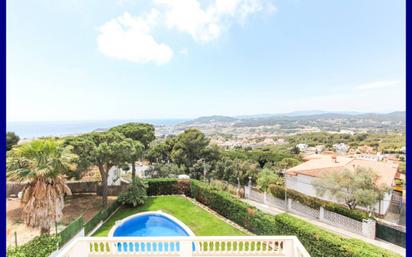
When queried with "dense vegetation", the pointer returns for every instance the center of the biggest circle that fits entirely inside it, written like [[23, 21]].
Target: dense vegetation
[[41, 246], [119, 147], [390, 143], [191, 153]]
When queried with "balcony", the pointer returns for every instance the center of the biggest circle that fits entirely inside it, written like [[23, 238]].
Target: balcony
[[232, 246]]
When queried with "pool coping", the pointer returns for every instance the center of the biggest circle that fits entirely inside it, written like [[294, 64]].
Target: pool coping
[[171, 217]]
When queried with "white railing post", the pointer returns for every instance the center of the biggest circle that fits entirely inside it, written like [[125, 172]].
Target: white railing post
[[265, 198], [322, 213], [185, 248], [289, 204], [289, 247], [80, 249], [369, 228], [247, 192], [270, 246]]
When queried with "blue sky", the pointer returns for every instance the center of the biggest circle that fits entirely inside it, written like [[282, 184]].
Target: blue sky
[[125, 59]]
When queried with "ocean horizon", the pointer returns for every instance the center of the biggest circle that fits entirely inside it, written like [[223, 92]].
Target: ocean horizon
[[34, 129]]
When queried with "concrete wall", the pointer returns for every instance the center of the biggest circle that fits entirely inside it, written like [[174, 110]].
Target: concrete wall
[[13, 188]]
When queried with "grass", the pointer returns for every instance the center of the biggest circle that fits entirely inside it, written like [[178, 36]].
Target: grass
[[198, 220]]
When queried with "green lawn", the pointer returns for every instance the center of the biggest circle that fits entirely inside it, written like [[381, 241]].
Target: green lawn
[[198, 220]]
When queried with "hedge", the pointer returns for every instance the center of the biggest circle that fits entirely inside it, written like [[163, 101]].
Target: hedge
[[102, 215], [168, 186], [71, 230], [318, 242], [40, 246], [316, 203]]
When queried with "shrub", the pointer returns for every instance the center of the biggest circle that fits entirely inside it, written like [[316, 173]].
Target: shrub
[[277, 191], [232, 208], [71, 230], [135, 195], [41, 246], [318, 242], [168, 186], [223, 186]]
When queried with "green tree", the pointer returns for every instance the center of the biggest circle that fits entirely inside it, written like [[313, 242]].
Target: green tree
[[230, 170], [160, 151], [266, 178], [142, 132], [270, 155], [358, 187], [104, 150], [165, 170], [190, 146], [41, 163], [287, 163], [11, 140], [135, 195], [135, 154]]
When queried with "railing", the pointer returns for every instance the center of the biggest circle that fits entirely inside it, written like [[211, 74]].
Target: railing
[[185, 246]]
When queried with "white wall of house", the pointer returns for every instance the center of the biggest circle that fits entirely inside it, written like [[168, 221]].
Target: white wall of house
[[301, 183], [304, 185]]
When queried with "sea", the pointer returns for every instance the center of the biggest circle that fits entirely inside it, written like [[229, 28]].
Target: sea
[[34, 129]]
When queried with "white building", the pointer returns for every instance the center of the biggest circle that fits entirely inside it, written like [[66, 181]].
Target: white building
[[300, 178], [341, 148], [302, 147]]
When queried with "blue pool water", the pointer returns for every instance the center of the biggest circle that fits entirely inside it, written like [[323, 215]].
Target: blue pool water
[[150, 225]]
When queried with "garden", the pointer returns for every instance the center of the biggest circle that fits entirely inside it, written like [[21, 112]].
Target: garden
[[201, 222], [45, 164]]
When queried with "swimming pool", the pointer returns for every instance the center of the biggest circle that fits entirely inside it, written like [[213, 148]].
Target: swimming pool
[[149, 224]]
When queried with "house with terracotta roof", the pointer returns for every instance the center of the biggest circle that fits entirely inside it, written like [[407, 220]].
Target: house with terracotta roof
[[301, 177]]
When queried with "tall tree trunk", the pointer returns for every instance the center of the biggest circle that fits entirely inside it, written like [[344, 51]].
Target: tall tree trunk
[[103, 174], [133, 171]]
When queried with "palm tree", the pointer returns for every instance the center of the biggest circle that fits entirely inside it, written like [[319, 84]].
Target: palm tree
[[41, 164]]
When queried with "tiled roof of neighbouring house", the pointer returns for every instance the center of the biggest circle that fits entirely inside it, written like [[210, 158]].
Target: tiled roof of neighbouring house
[[319, 164]]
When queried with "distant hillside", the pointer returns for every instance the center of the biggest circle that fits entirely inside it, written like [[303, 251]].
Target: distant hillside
[[382, 122], [211, 119]]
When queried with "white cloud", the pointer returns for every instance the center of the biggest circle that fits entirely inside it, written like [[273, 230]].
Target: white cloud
[[378, 85], [208, 23], [129, 38]]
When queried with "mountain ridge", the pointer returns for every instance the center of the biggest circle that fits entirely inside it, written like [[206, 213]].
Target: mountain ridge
[[299, 115]]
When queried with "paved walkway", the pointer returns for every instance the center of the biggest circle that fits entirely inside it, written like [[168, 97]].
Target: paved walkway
[[342, 232]]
